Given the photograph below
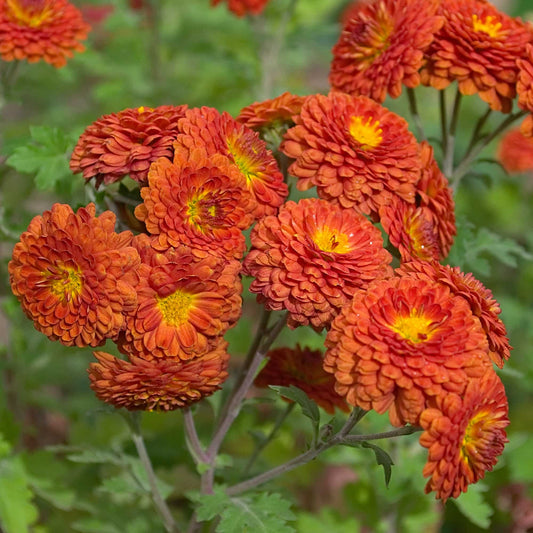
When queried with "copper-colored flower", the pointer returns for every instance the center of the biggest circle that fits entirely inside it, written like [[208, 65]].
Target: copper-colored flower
[[401, 342], [271, 113], [200, 202], [479, 298], [74, 276], [244, 7], [381, 47], [35, 30], [158, 385], [126, 143], [524, 85], [478, 46], [355, 151], [464, 436], [187, 300], [515, 152], [302, 368], [214, 132], [312, 258]]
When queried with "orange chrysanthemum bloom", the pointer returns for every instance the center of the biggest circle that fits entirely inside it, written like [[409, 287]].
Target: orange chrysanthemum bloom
[[464, 436], [401, 342], [158, 385], [126, 143], [244, 7], [201, 202], [515, 152], [355, 151], [479, 298], [381, 47], [214, 132], [74, 276], [312, 258], [303, 369], [35, 30], [478, 46], [524, 88], [187, 300], [279, 111]]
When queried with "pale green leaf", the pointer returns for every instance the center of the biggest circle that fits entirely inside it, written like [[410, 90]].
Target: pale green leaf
[[473, 506]]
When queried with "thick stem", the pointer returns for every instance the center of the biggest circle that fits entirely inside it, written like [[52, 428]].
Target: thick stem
[[407, 430], [159, 502], [416, 116], [450, 139]]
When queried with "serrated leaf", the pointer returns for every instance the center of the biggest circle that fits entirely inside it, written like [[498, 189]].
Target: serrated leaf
[[382, 458], [474, 507], [309, 408], [210, 505]]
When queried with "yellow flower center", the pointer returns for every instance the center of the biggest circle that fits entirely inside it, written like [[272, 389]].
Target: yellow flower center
[[475, 434], [366, 132], [204, 212], [489, 26], [176, 307], [243, 161], [31, 13], [331, 240], [416, 327], [66, 283], [143, 109]]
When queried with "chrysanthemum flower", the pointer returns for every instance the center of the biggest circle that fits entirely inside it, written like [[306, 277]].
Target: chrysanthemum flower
[[74, 276], [401, 342], [214, 132], [515, 152], [125, 143], [187, 300], [271, 113], [311, 258], [244, 7], [479, 298], [355, 151], [381, 47], [478, 46], [158, 385], [35, 30], [464, 436], [201, 202], [302, 368]]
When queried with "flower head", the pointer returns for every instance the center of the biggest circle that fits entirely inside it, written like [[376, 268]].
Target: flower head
[[478, 46], [35, 30], [158, 385], [464, 436], [479, 298], [311, 258], [355, 151], [524, 86], [214, 132], [125, 143], [74, 276], [515, 152], [381, 47], [302, 368], [244, 7], [200, 202], [401, 342], [187, 300]]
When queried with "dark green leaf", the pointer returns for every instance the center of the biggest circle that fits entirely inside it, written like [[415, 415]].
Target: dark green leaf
[[309, 408]]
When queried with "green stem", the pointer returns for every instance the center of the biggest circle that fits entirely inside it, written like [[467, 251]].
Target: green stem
[[159, 502], [194, 444], [416, 116], [407, 430], [476, 134], [447, 167], [443, 121], [268, 439]]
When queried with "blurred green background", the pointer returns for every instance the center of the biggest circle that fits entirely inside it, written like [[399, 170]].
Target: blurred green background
[[60, 458]]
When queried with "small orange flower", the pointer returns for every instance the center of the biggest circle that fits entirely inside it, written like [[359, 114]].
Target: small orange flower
[[158, 385], [126, 143], [74, 276], [312, 258], [381, 47], [272, 113], [401, 342], [515, 152], [187, 300], [35, 30], [464, 436], [303, 369], [479, 298], [213, 132], [243, 7], [355, 151], [479, 47]]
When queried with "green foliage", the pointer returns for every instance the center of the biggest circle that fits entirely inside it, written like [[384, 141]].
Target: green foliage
[[474, 507]]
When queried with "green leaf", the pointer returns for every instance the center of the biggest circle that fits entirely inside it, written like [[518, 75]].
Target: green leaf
[[326, 520], [382, 458], [309, 408], [94, 525], [210, 505], [91, 455], [474, 507], [46, 155]]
